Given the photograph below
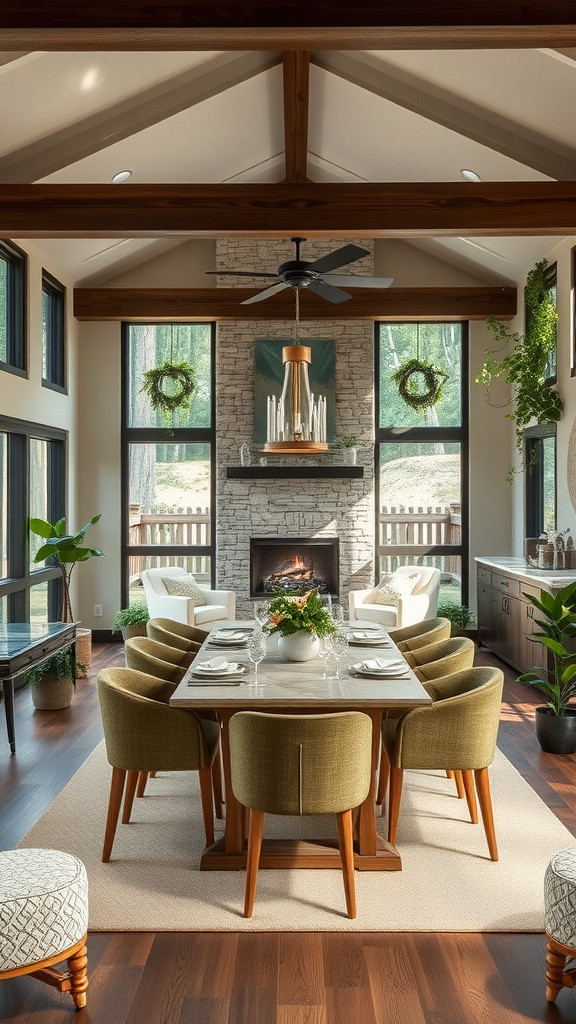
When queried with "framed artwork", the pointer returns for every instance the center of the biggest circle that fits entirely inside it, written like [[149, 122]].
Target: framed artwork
[[269, 380]]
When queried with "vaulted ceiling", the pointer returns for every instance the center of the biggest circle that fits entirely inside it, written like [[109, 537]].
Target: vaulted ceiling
[[236, 117]]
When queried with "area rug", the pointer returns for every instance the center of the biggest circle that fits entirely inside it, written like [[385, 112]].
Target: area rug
[[152, 882]]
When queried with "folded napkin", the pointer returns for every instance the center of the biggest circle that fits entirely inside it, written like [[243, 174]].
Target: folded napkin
[[378, 665], [216, 665], [229, 635]]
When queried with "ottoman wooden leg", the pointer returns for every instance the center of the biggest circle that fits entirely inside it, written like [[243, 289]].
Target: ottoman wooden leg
[[78, 965], [556, 976]]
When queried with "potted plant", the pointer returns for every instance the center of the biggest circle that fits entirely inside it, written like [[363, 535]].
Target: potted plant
[[51, 682], [460, 616], [348, 445], [131, 621], [299, 621], [67, 550], [556, 720]]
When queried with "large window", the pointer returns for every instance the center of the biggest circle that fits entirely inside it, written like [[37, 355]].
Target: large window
[[540, 478], [168, 469], [12, 309], [32, 484], [53, 340], [422, 459]]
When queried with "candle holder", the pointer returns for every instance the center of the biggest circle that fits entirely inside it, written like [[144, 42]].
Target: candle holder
[[296, 422]]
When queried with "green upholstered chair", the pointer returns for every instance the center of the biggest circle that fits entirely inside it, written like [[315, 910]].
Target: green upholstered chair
[[177, 634], [143, 733], [458, 731], [429, 631], [154, 658], [442, 658], [300, 764]]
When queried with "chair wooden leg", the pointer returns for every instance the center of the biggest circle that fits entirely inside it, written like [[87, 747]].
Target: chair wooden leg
[[207, 803], [142, 780], [255, 829], [383, 776], [346, 846], [557, 977], [396, 780], [459, 784], [116, 791], [217, 783], [131, 782], [449, 773], [78, 966], [468, 780], [485, 801]]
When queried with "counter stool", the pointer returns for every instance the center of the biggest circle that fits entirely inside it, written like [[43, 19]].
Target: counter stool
[[44, 919], [560, 911]]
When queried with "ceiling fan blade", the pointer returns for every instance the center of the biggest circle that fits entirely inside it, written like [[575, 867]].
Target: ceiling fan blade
[[328, 292], [357, 281], [339, 258], [241, 273], [265, 294]]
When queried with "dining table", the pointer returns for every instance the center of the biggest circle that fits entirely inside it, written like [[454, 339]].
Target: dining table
[[295, 687]]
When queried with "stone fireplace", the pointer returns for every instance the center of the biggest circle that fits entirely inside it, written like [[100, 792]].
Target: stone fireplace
[[294, 564]]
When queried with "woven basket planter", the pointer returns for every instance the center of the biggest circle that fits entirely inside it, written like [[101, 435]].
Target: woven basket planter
[[50, 694], [84, 650]]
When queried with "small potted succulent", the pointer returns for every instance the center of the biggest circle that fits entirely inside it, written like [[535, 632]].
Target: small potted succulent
[[460, 616], [348, 445], [131, 621], [51, 682]]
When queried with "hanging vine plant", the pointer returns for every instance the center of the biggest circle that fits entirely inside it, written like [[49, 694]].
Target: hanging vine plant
[[169, 387], [419, 383], [526, 367]]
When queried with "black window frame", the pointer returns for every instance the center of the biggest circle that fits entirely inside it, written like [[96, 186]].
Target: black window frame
[[55, 334], [428, 435], [534, 478], [17, 262], [161, 435], [21, 578]]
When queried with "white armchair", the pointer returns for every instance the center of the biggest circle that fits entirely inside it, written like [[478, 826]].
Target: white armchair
[[412, 608], [219, 604]]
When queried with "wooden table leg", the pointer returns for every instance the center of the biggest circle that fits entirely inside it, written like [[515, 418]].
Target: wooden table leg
[[8, 691], [234, 836], [367, 817]]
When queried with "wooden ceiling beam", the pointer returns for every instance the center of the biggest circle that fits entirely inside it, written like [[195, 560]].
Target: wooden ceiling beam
[[296, 80], [429, 37], [334, 209], [173, 304]]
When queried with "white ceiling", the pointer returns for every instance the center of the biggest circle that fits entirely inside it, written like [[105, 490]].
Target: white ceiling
[[215, 117]]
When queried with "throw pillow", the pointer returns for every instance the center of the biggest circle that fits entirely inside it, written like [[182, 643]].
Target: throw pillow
[[392, 587], [184, 586]]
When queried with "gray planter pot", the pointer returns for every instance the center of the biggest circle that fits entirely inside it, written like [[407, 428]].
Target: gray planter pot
[[51, 694], [556, 734], [138, 629]]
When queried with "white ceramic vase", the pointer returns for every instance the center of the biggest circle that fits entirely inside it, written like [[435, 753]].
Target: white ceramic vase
[[349, 456], [300, 646]]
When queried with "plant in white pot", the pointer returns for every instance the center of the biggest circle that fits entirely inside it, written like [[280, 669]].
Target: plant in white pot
[[555, 721], [348, 446], [51, 682], [299, 620], [131, 621], [67, 550]]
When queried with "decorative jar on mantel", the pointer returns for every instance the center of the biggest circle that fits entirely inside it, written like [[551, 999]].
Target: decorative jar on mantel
[[300, 646]]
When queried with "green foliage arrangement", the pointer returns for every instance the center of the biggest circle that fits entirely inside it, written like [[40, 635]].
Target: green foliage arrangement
[[419, 383], [526, 367], [459, 615], [59, 666], [67, 550], [559, 684], [135, 615], [289, 614], [182, 384], [348, 441]]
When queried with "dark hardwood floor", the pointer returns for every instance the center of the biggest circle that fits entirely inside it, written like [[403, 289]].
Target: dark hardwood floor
[[280, 978]]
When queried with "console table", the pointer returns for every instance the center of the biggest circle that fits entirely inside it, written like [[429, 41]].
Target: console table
[[24, 644]]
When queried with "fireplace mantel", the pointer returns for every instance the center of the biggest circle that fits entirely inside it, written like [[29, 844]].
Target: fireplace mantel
[[258, 472]]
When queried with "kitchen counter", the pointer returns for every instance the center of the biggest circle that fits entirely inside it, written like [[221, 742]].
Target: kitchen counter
[[550, 579]]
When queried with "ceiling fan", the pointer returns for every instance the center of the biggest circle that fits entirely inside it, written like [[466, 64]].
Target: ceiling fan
[[315, 275]]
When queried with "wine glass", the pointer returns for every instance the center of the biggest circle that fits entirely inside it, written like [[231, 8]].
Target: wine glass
[[256, 647], [326, 652], [261, 612], [337, 614], [326, 602], [339, 649]]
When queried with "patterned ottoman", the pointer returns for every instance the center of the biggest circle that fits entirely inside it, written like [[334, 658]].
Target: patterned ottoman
[[44, 918], [560, 910]]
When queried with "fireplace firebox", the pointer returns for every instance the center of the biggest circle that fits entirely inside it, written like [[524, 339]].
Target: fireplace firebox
[[294, 564]]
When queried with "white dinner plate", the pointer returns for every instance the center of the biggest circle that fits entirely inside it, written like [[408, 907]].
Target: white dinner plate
[[392, 671], [232, 671]]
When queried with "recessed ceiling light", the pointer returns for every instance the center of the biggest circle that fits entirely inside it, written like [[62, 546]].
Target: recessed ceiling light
[[89, 79], [121, 176], [470, 175]]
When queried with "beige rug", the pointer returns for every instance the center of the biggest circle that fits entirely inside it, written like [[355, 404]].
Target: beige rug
[[447, 883]]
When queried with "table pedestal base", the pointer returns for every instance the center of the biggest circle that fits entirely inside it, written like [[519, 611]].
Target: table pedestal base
[[300, 853]]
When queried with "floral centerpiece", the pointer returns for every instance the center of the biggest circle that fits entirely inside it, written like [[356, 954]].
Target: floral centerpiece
[[300, 620]]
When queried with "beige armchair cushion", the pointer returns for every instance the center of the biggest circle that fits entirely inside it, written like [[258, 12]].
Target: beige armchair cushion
[[185, 586]]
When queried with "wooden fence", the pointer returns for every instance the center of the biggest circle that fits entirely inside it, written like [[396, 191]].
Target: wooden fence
[[186, 527], [419, 526]]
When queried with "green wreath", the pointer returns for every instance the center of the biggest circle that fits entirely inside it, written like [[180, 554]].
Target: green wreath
[[411, 375], [183, 380]]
